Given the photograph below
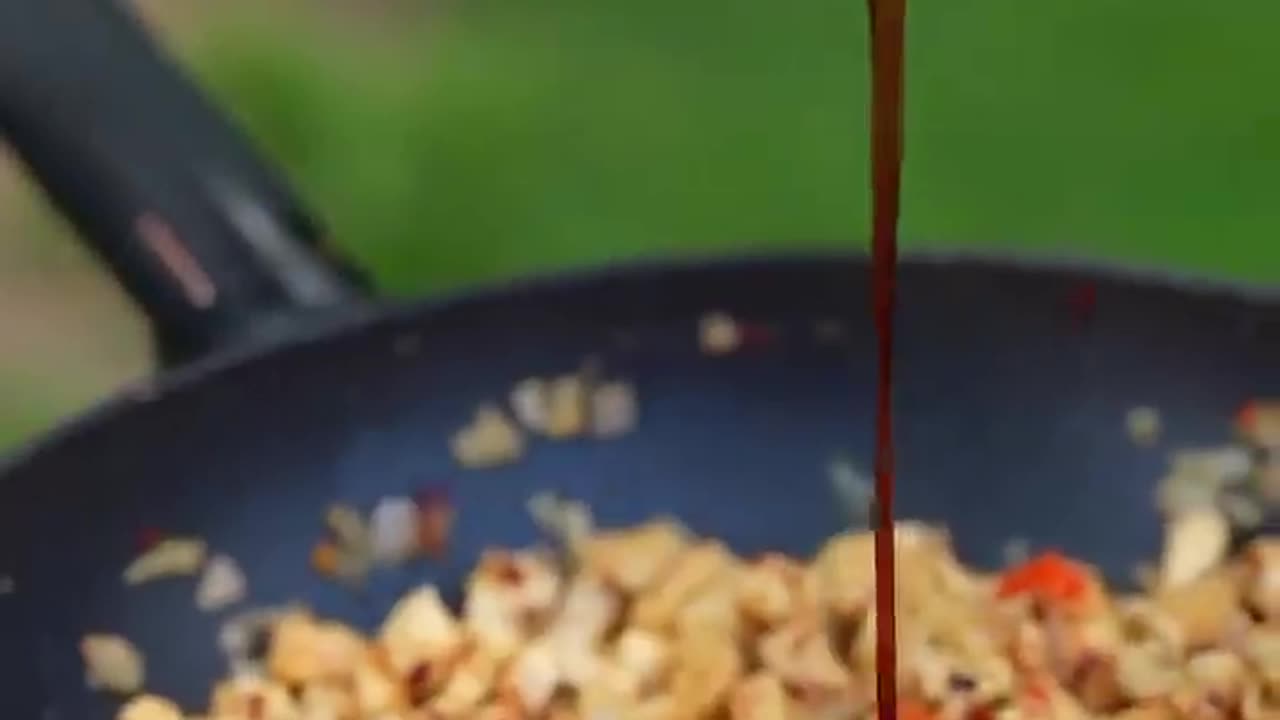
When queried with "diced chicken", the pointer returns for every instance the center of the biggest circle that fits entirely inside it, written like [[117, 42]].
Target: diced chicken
[[1144, 672], [305, 650], [759, 697], [149, 707], [799, 653], [533, 677], [694, 570], [775, 587], [635, 558], [375, 689], [1262, 650], [470, 683], [112, 664], [1261, 700], [713, 608], [1144, 624], [420, 629], [600, 701], [1262, 581], [1152, 710], [1205, 609], [499, 710], [704, 672], [505, 595], [1095, 682], [845, 569], [1217, 673], [643, 654], [254, 698], [589, 609], [324, 701], [1195, 540]]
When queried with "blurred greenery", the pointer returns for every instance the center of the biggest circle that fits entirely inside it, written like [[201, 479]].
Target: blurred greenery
[[460, 140], [493, 137]]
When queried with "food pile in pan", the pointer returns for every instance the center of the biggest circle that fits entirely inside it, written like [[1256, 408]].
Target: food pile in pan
[[655, 623]]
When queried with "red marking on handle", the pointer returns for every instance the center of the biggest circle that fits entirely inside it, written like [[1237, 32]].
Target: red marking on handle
[[887, 23], [178, 260]]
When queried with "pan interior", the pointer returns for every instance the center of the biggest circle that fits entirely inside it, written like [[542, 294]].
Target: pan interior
[[1013, 385]]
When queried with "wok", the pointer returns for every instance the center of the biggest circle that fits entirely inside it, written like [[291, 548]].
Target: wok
[[287, 390]]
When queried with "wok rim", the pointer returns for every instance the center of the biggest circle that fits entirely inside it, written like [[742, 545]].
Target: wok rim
[[165, 382]]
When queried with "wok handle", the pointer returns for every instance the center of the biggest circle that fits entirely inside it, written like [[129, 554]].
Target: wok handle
[[203, 234]]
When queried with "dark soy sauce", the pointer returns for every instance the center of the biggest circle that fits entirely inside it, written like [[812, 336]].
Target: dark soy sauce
[[887, 18]]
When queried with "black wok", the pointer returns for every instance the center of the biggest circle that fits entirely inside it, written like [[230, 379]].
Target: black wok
[[1015, 378]]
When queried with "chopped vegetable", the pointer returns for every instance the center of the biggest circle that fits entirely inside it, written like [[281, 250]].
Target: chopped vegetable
[[1143, 424], [1050, 577], [435, 525], [614, 410], [719, 334], [489, 441], [393, 530], [1215, 466], [348, 527], [1262, 578], [531, 405], [112, 664], [1242, 510], [1195, 541], [567, 407], [175, 557], [1259, 423], [566, 523], [654, 623], [326, 558], [222, 585], [245, 638], [853, 491]]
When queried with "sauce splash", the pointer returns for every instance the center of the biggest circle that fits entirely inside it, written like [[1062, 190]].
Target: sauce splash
[[887, 21]]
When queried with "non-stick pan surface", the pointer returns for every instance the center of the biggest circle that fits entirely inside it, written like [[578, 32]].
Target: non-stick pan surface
[[1013, 385], [1012, 401]]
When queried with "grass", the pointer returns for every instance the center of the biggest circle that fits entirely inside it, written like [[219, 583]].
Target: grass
[[503, 137], [477, 139]]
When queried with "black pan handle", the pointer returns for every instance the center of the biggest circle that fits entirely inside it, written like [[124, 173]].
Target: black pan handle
[[204, 235]]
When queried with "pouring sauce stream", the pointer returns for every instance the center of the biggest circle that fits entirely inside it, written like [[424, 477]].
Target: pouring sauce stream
[[887, 20]]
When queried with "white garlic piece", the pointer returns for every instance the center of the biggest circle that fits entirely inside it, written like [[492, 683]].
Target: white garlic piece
[[173, 557]]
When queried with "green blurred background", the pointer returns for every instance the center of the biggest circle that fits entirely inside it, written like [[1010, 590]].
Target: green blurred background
[[448, 142]]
